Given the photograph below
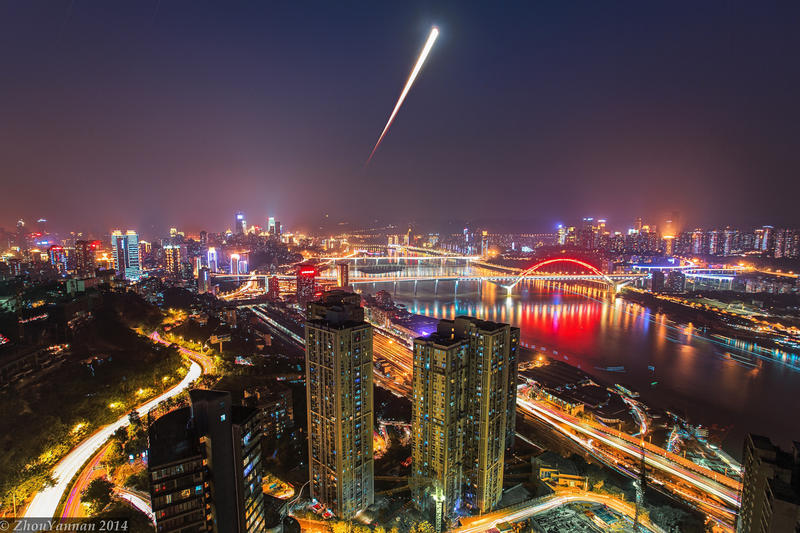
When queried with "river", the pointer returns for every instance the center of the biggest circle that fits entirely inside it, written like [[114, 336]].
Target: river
[[697, 376]]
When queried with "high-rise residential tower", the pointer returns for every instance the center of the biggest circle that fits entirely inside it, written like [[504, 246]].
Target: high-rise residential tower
[[339, 400], [343, 274], [463, 413], [85, 263], [240, 224], [203, 281], [213, 265], [174, 260], [306, 286], [438, 421], [770, 487], [205, 466]]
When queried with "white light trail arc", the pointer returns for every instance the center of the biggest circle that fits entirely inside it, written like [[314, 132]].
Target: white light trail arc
[[413, 76], [46, 501]]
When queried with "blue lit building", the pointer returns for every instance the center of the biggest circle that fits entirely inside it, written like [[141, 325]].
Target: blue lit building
[[125, 250]]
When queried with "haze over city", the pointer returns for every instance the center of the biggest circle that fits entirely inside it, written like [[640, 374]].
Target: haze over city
[[613, 112]]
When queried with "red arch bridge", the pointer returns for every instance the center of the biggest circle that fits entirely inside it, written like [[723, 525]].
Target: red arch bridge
[[508, 278]]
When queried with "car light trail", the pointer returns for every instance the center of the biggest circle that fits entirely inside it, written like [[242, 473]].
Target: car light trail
[[45, 502], [137, 502], [728, 495], [413, 76], [541, 505]]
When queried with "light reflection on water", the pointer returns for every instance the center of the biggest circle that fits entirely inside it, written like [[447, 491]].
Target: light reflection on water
[[713, 380]]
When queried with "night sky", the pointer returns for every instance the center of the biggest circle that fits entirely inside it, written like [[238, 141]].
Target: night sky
[[154, 114]]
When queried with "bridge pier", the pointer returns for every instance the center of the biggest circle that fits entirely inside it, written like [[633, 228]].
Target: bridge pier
[[415, 287], [455, 291], [395, 288], [436, 287]]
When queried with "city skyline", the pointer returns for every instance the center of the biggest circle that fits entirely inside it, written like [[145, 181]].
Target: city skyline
[[413, 267], [669, 224], [126, 109]]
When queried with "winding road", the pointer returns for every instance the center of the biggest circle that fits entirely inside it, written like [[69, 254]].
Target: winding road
[[45, 503]]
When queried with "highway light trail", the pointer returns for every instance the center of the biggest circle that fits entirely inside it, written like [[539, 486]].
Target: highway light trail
[[44, 504], [413, 76], [730, 496], [137, 502]]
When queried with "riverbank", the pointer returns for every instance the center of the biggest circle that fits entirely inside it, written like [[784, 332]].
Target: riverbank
[[710, 321]]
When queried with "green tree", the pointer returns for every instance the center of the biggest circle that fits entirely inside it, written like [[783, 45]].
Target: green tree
[[98, 494], [120, 435], [425, 527], [139, 480], [116, 455], [340, 527]]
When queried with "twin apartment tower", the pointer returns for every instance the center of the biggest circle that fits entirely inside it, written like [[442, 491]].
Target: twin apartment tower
[[463, 410]]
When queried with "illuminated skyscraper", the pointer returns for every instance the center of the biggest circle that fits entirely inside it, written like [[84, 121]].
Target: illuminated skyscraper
[[730, 242], [765, 239], [234, 267], [339, 400], [85, 257], [212, 260], [438, 422], [343, 274], [203, 281], [484, 243], [463, 412], [669, 244], [22, 236], [58, 258], [271, 225], [145, 250], [562, 234], [698, 242], [174, 260], [306, 288], [240, 224], [125, 251], [714, 242], [787, 243]]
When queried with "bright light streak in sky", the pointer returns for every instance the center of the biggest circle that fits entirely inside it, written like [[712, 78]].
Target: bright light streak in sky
[[413, 76]]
